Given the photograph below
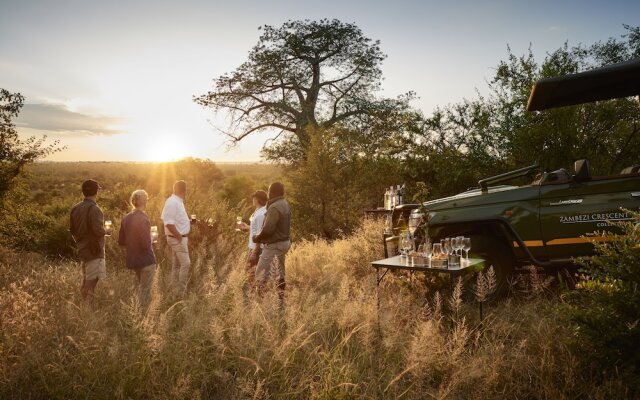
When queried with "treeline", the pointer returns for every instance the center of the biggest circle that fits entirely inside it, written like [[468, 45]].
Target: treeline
[[35, 212]]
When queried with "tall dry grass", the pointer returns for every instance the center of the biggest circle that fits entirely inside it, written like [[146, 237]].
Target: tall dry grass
[[330, 341]]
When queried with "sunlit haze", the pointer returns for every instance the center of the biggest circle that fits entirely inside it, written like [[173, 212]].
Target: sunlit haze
[[114, 80]]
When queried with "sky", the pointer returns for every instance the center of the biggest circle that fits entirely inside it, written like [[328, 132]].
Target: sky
[[114, 80]]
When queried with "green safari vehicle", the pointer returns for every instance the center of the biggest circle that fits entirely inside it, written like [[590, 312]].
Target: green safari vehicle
[[557, 215]]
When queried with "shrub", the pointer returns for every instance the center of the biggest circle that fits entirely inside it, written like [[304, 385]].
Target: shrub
[[606, 307]]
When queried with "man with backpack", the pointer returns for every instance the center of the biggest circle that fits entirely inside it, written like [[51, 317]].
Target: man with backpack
[[87, 229]]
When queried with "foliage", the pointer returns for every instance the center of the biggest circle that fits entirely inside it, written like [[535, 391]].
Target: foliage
[[334, 184], [14, 152], [329, 342], [462, 143], [36, 209], [606, 306], [304, 74], [238, 188]]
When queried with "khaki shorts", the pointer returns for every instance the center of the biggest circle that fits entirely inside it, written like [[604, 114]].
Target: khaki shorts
[[94, 269]]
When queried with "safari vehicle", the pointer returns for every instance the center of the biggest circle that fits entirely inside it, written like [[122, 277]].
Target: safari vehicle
[[552, 219], [547, 222]]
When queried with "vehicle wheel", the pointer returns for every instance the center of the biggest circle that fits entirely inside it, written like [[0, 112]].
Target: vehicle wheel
[[498, 255]]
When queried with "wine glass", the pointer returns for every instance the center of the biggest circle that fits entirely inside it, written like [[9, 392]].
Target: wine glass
[[238, 222], [154, 234], [401, 244], [446, 246], [409, 244], [466, 245], [108, 227], [459, 244]]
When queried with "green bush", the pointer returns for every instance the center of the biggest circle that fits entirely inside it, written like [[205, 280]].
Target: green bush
[[605, 308]]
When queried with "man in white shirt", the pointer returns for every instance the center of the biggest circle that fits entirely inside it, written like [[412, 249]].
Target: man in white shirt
[[256, 220], [176, 228]]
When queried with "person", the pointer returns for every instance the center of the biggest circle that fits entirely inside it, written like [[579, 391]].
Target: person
[[87, 229], [135, 236], [259, 200], [176, 228], [275, 236]]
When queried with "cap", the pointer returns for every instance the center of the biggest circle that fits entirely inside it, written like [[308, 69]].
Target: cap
[[90, 185]]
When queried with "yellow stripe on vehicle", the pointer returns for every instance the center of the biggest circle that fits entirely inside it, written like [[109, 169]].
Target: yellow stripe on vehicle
[[578, 240], [561, 241], [530, 243]]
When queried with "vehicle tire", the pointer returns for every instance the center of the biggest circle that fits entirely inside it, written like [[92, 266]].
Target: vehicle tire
[[499, 255]]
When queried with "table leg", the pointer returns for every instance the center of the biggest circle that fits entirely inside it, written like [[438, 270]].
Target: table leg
[[378, 289]]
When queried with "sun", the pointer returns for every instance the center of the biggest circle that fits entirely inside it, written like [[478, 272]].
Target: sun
[[163, 150]]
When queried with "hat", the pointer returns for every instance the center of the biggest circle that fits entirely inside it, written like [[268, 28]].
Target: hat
[[90, 186]]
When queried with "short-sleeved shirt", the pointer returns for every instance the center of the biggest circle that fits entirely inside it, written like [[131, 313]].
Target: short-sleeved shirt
[[135, 235], [174, 213], [255, 224], [87, 228]]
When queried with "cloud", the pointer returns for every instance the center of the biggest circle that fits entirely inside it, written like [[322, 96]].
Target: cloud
[[57, 118]]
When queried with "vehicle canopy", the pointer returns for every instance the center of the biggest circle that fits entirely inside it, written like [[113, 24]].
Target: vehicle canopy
[[609, 82]]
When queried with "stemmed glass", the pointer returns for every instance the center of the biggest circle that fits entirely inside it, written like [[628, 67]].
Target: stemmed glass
[[108, 227], [404, 244], [466, 246], [154, 234], [458, 244], [446, 246]]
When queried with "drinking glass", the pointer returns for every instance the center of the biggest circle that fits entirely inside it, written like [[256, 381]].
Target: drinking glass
[[402, 245], [446, 246], [466, 246], [193, 218], [409, 244], [427, 249], [406, 243], [388, 225], [108, 227], [154, 234], [459, 244], [238, 222], [415, 219], [437, 250]]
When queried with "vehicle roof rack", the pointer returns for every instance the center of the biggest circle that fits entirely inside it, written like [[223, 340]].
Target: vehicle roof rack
[[484, 183]]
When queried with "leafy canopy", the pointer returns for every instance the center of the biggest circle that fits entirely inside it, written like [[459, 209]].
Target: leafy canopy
[[14, 152], [303, 74]]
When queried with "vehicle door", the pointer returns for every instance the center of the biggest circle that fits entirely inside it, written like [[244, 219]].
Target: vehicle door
[[574, 214]]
